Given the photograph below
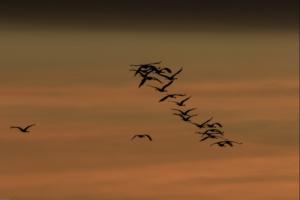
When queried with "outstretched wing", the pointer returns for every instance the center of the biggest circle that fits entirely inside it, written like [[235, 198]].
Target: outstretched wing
[[201, 125], [167, 85], [205, 138], [133, 137], [17, 127], [218, 124], [143, 81], [184, 100], [164, 98], [27, 127], [149, 137], [180, 70], [189, 110]]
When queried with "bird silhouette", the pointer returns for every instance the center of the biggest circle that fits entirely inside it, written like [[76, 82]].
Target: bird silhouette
[[185, 118], [24, 130], [172, 77], [163, 88], [202, 125], [170, 96], [212, 131], [184, 112], [214, 125], [142, 136], [161, 71], [148, 78], [207, 136], [225, 142], [181, 103]]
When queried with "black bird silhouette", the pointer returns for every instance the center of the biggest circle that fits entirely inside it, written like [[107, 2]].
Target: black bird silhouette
[[223, 143], [142, 136], [161, 71], [185, 118], [214, 125], [145, 68], [24, 130], [171, 96], [212, 131], [172, 77], [184, 112], [202, 125], [141, 72], [148, 78], [181, 103], [208, 135], [162, 89]]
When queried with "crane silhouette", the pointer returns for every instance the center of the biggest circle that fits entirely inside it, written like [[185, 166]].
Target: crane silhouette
[[171, 96], [202, 125], [23, 130], [225, 142], [184, 112], [163, 88], [181, 103], [148, 78], [185, 118], [142, 136], [172, 77], [212, 131], [207, 136]]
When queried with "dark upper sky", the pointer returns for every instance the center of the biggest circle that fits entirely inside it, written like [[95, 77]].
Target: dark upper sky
[[154, 14]]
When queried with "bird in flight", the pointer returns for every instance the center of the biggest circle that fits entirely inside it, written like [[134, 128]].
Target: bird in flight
[[202, 125], [171, 96], [225, 142], [184, 112], [172, 77], [212, 131], [214, 125], [163, 88], [24, 130], [148, 78], [185, 118], [181, 103], [209, 135], [142, 136]]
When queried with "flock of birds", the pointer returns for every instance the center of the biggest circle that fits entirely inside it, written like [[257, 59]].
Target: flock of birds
[[152, 73], [165, 77]]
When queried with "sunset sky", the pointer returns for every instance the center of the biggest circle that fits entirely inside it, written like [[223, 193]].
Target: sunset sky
[[65, 67]]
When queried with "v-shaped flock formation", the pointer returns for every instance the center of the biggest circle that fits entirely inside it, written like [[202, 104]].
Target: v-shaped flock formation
[[164, 77]]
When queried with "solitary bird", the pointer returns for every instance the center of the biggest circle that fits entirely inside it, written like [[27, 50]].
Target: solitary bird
[[185, 118], [225, 142], [172, 77], [142, 136], [181, 103], [171, 96], [24, 130], [163, 88], [202, 125], [184, 112]]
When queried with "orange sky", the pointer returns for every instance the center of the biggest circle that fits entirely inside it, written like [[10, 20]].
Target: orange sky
[[77, 88]]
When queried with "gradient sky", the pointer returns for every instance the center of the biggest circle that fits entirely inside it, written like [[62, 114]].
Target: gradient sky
[[64, 66]]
